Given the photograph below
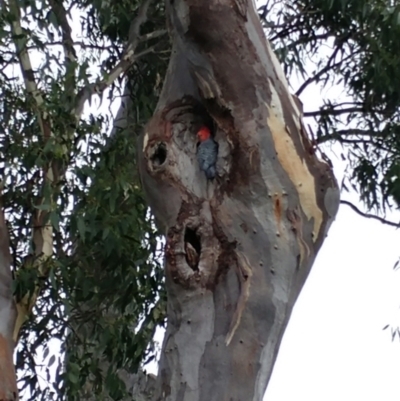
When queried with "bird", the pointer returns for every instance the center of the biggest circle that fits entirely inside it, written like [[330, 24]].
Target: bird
[[207, 152], [192, 256]]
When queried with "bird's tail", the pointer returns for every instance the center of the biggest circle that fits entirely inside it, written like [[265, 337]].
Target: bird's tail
[[211, 172]]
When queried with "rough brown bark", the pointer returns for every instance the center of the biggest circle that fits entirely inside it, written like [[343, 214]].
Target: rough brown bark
[[257, 227], [8, 314]]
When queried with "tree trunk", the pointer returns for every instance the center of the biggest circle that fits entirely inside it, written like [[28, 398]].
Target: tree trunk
[[256, 228], [8, 314]]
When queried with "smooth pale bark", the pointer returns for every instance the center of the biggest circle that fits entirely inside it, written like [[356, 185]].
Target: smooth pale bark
[[258, 226], [8, 314]]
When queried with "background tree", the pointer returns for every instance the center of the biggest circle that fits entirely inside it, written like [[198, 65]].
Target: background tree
[[102, 232], [80, 152], [362, 56]]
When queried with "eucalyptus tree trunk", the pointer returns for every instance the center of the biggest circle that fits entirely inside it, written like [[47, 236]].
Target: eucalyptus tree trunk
[[8, 315], [255, 229]]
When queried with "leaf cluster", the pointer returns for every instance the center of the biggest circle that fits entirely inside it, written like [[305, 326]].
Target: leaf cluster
[[101, 292], [354, 45]]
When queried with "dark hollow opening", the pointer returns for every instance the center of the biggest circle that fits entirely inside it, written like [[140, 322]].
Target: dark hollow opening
[[193, 239], [160, 155], [192, 247]]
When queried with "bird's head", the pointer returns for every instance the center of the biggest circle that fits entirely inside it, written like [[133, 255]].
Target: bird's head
[[203, 133]]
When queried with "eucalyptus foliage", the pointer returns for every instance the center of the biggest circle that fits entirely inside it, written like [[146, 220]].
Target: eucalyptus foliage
[[104, 279], [352, 43]]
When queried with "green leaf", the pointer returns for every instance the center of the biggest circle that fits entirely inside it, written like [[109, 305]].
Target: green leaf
[[55, 220], [42, 207], [72, 377], [81, 227], [106, 231]]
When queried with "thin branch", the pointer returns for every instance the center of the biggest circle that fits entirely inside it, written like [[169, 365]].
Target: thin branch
[[153, 35], [68, 46], [376, 139], [338, 135], [26, 65], [354, 141], [126, 61], [149, 50], [303, 40], [370, 216], [339, 46], [61, 15], [334, 112], [323, 71], [83, 45], [134, 29], [352, 103], [285, 27], [76, 43]]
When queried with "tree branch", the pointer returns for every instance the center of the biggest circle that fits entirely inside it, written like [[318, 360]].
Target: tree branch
[[127, 59], [80, 44], [42, 233], [337, 135], [143, 386], [303, 39], [8, 385], [375, 139], [152, 35], [334, 112], [67, 44], [26, 65], [323, 71], [287, 27], [370, 216], [339, 46]]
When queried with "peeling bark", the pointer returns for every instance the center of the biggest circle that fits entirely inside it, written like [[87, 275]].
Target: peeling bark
[[8, 313], [256, 228]]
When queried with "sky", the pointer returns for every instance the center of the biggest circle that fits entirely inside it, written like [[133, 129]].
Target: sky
[[334, 347]]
